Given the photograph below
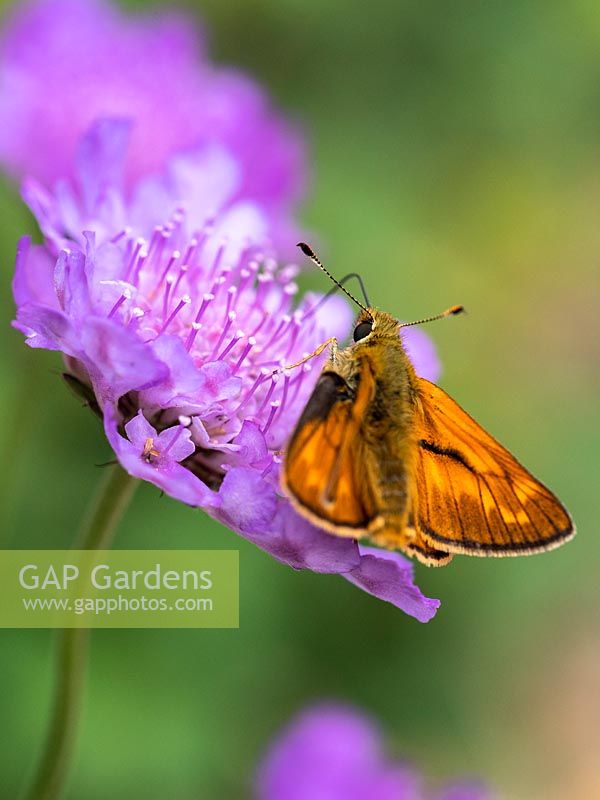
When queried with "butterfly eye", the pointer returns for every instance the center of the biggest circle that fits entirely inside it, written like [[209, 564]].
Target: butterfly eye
[[362, 330]]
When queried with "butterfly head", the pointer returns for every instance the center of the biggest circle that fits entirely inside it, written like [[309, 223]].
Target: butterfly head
[[373, 323]]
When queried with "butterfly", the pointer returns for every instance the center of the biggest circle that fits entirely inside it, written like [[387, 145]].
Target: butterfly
[[379, 452]]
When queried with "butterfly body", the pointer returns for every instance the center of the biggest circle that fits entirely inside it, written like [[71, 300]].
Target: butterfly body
[[381, 453]]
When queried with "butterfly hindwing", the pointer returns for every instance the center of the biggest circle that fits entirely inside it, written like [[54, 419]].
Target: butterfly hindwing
[[415, 544], [473, 496]]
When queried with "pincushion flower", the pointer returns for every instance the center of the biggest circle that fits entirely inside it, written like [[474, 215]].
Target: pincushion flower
[[332, 752], [66, 63], [166, 293], [179, 330]]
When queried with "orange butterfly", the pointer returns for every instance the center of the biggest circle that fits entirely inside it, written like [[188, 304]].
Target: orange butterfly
[[381, 453]]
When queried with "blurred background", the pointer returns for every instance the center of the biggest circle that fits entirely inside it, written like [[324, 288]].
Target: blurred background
[[456, 159]]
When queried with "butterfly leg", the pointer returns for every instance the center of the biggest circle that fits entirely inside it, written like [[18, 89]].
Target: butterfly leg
[[329, 342]]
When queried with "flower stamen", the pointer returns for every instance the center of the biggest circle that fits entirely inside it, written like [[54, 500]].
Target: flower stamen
[[275, 405], [230, 320], [149, 453], [238, 337], [185, 300], [250, 393], [125, 296], [246, 350]]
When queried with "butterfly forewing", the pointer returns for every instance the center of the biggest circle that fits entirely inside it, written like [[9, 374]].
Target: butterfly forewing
[[322, 467], [473, 496]]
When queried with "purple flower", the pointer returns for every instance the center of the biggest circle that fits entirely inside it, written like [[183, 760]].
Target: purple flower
[[166, 298], [66, 63], [332, 752]]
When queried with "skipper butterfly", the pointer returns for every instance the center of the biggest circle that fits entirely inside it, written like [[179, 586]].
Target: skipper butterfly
[[380, 453]]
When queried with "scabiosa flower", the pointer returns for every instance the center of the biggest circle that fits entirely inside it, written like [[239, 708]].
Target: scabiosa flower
[[66, 63], [331, 752], [176, 319]]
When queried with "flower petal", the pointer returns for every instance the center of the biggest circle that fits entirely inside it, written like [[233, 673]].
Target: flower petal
[[389, 576], [177, 442], [33, 282], [248, 502], [101, 158], [182, 377], [138, 430], [173, 479], [117, 360], [47, 328], [71, 285], [299, 544], [423, 353], [252, 447]]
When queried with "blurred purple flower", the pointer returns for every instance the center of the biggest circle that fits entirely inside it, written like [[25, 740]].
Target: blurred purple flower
[[165, 296], [66, 63], [332, 752]]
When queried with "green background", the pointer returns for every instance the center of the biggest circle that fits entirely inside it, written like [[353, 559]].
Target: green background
[[456, 158]]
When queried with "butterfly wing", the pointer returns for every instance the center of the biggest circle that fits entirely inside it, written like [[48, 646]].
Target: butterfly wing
[[415, 544], [473, 496], [324, 456]]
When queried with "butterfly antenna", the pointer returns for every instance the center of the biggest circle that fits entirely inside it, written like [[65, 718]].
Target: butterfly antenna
[[324, 298], [449, 312], [308, 251]]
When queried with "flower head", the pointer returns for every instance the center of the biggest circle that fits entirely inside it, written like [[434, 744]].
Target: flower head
[[167, 298], [335, 753], [66, 63]]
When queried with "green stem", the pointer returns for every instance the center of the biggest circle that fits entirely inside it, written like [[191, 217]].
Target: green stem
[[52, 772]]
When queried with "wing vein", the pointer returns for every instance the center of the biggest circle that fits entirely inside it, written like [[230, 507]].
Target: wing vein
[[487, 522]]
